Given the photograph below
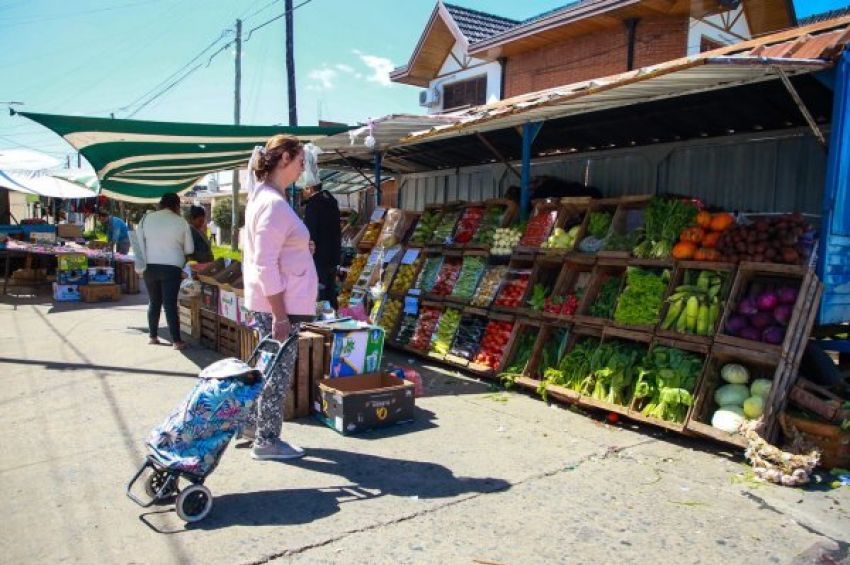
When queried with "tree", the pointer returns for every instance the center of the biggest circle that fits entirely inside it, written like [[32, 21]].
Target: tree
[[221, 214]]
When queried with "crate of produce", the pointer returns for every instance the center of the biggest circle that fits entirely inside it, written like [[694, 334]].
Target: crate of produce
[[405, 328], [697, 298], [390, 314], [442, 234], [393, 228], [765, 302], [544, 217], [209, 329], [189, 312], [230, 274], [498, 334], [520, 350], [782, 238], [208, 273], [368, 236], [544, 279], [569, 289], [467, 340], [570, 227], [354, 270], [426, 324], [428, 273], [515, 285], [664, 220], [734, 389], [498, 213], [669, 379], [488, 287], [447, 276], [600, 215], [472, 269], [411, 263], [425, 226], [468, 224], [565, 379], [641, 298], [444, 334], [627, 224], [505, 241], [600, 296], [551, 344]]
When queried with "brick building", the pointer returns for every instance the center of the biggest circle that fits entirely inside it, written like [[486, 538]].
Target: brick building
[[466, 57]]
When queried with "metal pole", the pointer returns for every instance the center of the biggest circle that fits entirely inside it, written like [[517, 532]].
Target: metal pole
[[378, 158], [234, 217], [529, 133], [290, 66]]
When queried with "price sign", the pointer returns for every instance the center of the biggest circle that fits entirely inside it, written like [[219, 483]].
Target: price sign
[[411, 305], [409, 256], [377, 215], [390, 253]]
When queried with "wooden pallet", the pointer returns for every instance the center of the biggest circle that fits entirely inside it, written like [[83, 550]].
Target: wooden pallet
[[228, 337], [209, 329], [126, 276], [189, 312]]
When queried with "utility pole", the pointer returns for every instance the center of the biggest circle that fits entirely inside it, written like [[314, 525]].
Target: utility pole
[[290, 67], [234, 223]]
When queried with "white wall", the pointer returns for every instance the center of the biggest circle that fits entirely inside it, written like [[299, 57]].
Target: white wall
[[699, 28], [451, 72]]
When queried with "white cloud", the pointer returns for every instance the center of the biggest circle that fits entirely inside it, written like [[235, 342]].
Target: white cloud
[[344, 68], [381, 67], [323, 77]]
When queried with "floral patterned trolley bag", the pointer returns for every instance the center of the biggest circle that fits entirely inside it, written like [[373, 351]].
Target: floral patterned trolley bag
[[190, 442]]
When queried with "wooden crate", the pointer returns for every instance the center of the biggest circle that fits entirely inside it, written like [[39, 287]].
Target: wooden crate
[[430, 306], [818, 400], [451, 212], [126, 276], [646, 328], [627, 218], [573, 213], [699, 422], [747, 273], [574, 278], [248, 340], [726, 269], [209, 297], [544, 206], [524, 329], [519, 266], [100, 292], [208, 273], [469, 316], [484, 370], [552, 390], [464, 300], [606, 205], [452, 259], [547, 272], [209, 329], [604, 270], [434, 354], [189, 312], [228, 343]]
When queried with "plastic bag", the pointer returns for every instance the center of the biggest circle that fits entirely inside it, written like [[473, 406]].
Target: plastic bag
[[310, 176]]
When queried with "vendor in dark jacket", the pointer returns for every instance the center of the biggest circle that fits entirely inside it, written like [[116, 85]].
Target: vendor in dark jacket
[[321, 216], [198, 224]]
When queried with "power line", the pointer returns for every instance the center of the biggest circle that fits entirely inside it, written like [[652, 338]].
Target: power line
[[267, 22], [255, 12], [65, 16]]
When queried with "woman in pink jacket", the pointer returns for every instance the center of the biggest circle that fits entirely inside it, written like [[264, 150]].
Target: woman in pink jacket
[[281, 285]]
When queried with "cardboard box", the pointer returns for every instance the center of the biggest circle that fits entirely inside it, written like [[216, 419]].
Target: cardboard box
[[209, 297], [72, 262], [73, 276], [100, 292], [101, 275], [69, 231], [365, 402], [66, 292], [246, 316], [356, 348], [227, 307]]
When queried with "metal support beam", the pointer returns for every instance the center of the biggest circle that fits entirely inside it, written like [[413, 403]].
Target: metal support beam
[[498, 154], [529, 134], [354, 166], [378, 158], [801, 105]]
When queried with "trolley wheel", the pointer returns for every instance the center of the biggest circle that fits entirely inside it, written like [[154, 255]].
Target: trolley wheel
[[154, 483], [194, 503]]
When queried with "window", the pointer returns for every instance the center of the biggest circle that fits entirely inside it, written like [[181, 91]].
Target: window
[[471, 92]]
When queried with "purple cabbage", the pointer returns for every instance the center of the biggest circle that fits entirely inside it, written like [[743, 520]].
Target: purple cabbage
[[750, 333], [782, 314], [747, 307], [761, 320], [767, 301], [774, 335], [735, 324], [787, 295]]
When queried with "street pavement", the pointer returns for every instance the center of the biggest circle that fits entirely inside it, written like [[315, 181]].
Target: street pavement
[[482, 476]]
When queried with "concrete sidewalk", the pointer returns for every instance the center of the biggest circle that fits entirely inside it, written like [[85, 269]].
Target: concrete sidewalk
[[483, 476]]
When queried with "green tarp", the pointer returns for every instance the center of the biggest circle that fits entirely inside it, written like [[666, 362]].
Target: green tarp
[[139, 161]]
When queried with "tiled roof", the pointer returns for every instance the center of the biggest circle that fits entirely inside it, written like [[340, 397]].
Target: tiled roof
[[476, 25], [548, 13], [815, 18]]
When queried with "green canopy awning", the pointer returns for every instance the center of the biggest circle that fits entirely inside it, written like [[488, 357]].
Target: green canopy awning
[[139, 161]]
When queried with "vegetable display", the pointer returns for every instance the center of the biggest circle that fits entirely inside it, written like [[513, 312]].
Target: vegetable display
[[406, 276], [598, 224], [467, 225], [489, 223], [738, 400], [489, 286], [505, 240], [425, 227], [538, 228], [561, 239], [694, 307], [613, 372], [445, 332], [425, 326], [523, 348], [699, 242], [539, 295], [468, 338], [428, 275], [496, 337], [778, 239], [552, 350], [513, 289], [573, 367], [356, 267], [444, 230], [666, 382], [563, 305], [664, 220], [406, 327], [370, 236], [606, 299], [763, 313], [470, 273], [447, 277], [620, 241], [389, 316], [640, 302]]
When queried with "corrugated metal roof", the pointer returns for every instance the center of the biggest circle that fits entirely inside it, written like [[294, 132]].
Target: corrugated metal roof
[[476, 25], [798, 51]]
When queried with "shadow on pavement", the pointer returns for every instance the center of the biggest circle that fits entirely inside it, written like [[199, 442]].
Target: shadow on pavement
[[422, 420]]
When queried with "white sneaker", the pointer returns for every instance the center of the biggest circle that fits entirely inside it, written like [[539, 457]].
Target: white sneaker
[[276, 449]]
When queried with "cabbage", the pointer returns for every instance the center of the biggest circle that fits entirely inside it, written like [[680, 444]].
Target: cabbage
[[761, 387], [729, 419], [735, 374], [753, 407], [731, 395]]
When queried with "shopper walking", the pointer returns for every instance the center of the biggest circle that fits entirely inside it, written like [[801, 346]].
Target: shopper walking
[[166, 240], [279, 277], [321, 215]]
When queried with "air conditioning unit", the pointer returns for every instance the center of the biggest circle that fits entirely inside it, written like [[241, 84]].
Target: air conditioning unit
[[429, 97]]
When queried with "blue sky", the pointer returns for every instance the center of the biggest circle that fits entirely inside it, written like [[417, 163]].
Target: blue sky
[[93, 57]]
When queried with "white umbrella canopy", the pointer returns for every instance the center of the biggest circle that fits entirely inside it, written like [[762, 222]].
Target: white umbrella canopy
[[26, 160], [43, 185]]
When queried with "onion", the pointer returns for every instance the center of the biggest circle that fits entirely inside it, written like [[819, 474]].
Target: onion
[[787, 295], [773, 335], [767, 301], [782, 314], [747, 307], [735, 324], [761, 320], [750, 333]]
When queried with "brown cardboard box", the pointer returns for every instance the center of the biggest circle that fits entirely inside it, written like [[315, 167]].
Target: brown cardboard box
[[352, 405]]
